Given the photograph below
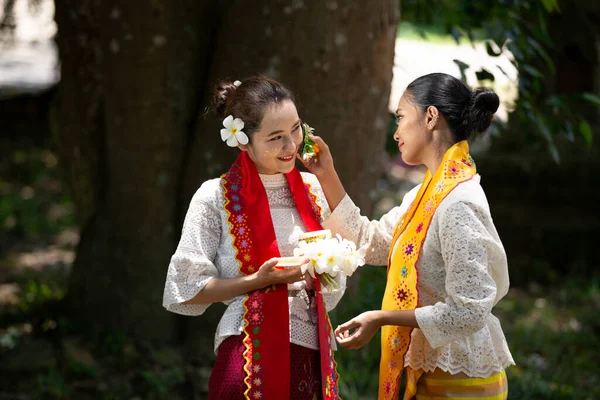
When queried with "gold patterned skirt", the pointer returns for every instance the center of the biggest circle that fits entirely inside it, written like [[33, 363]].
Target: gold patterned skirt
[[443, 385]]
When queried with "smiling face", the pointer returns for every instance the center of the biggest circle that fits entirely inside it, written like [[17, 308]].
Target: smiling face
[[273, 147], [412, 134]]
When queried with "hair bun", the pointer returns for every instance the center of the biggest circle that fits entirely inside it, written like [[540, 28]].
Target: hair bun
[[222, 95], [484, 104]]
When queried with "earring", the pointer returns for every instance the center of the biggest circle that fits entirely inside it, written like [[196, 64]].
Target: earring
[[433, 122]]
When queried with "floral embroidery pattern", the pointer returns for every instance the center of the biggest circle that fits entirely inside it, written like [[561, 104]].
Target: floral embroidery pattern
[[255, 317], [419, 228], [310, 385], [404, 272], [429, 206], [389, 386], [238, 221], [402, 294], [242, 243]]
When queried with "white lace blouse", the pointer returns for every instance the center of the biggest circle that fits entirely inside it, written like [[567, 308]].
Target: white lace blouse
[[205, 251], [462, 271]]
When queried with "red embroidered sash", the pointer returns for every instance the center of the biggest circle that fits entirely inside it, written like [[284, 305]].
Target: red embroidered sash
[[266, 331]]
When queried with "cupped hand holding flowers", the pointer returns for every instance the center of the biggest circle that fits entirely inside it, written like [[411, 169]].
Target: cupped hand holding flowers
[[329, 257]]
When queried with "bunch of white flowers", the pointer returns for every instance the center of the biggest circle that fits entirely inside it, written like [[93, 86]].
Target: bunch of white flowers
[[328, 257]]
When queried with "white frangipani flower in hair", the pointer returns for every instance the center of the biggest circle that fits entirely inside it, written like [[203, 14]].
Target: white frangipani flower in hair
[[232, 133]]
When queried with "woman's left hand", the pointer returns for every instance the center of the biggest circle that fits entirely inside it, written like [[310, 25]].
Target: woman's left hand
[[365, 326]]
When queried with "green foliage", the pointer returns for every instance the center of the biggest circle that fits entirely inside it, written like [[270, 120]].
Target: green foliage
[[37, 293], [52, 385], [162, 381], [34, 204], [522, 27], [553, 334], [110, 343], [38, 306]]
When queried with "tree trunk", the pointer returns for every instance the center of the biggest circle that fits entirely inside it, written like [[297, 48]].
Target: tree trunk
[[129, 95], [136, 142], [337, 58]]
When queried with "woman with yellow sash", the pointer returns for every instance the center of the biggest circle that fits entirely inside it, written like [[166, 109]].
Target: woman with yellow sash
[[446, 264], [274, 340]]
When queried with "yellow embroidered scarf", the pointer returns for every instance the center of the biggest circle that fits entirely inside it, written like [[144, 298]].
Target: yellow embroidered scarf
[[401, 292]]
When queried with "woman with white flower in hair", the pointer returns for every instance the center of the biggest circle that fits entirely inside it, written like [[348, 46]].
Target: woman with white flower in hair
[[274, 339]]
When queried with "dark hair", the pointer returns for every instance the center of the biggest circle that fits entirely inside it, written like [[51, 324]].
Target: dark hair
[[249, 100], [466, 112]]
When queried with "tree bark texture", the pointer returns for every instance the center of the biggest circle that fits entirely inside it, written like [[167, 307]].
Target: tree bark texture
[[136, 140]]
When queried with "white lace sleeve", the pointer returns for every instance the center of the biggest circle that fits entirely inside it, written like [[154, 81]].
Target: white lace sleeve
[[466, 247], [192, 267], [346, 220]]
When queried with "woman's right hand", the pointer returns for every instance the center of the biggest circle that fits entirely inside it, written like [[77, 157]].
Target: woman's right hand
[[322, 167], [322, 163], [268, 274]]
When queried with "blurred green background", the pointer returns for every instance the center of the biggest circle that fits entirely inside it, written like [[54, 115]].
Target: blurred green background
[[104, 136]]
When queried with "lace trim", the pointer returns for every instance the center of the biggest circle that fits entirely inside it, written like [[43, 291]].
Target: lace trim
[[275, 180], [280, 198], [480, 372]]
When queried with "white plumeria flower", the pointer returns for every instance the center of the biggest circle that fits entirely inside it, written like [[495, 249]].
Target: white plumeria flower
[[232, 133], [352, 258], [336, 258], [355, 259], [237, 83], [326, 251], [326, 263], [309, 267], [331, 257], [310, 251], [301, 249]]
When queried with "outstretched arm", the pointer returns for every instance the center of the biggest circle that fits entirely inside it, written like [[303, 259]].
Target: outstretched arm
[[359, 331], [346, 218], [221, 289]]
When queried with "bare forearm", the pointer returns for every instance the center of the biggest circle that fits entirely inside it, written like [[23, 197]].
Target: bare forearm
[[397, 318], [333, 188], [221, 289]]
